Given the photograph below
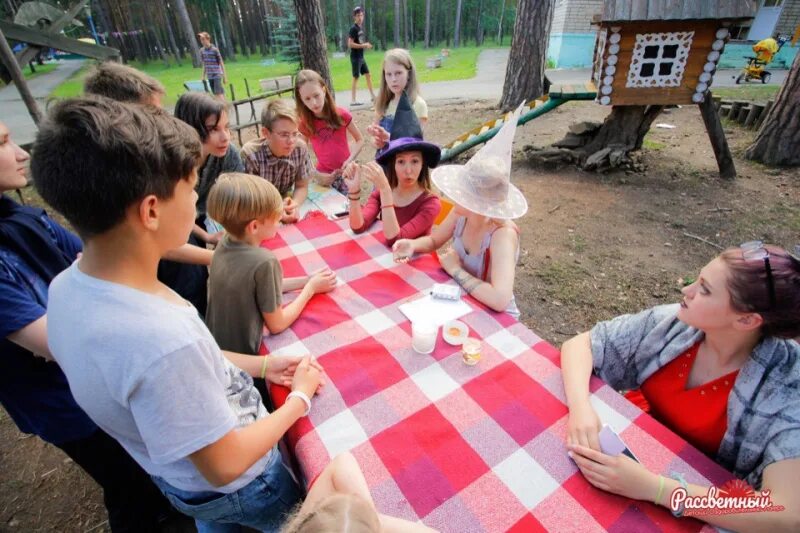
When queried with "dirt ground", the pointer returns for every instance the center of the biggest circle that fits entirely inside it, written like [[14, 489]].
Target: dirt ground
[[593, 246]]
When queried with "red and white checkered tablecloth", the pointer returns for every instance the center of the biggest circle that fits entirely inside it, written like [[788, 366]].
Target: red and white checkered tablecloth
[[463, 449]]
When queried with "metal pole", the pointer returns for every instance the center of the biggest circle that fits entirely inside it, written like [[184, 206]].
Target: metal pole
[[7, 56]]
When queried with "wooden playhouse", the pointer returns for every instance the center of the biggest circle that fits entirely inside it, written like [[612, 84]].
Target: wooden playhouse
[[662, 51]]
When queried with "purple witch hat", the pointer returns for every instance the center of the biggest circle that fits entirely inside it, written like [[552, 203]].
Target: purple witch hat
[[406, 136]]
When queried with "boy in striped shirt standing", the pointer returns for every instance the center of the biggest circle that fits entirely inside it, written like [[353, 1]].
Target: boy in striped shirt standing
[[213, 66]]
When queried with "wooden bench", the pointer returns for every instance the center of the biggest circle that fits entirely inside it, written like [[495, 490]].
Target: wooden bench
[[275, 87], [197, 86], [276, 84], [433, 62]]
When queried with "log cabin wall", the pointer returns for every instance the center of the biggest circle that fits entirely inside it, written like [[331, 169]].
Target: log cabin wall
[[707, 44]]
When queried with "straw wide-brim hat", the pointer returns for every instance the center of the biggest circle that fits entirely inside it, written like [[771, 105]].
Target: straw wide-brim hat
[[480, 194], [483, 185]]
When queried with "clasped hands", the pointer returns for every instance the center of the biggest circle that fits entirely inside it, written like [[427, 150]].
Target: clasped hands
[[372, 172]]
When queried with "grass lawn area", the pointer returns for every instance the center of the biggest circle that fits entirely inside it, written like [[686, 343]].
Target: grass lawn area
[[460, 65], [750, 93]]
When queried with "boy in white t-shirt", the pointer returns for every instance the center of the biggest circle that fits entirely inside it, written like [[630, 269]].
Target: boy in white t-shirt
[[138, 358]]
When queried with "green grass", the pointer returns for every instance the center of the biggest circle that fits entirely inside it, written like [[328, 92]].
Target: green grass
[[653, 145], [750, 93], [460, 65]]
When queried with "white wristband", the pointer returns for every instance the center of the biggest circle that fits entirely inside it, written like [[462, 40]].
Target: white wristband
[[302, 396]]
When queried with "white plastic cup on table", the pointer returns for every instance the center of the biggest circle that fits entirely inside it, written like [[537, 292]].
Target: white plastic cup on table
[[423, 337]]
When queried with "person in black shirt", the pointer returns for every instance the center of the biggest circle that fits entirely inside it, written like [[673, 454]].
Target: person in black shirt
[[357, 42]]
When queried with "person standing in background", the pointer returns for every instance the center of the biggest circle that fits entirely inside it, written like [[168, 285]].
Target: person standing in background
[[357, 42], [213, 66]]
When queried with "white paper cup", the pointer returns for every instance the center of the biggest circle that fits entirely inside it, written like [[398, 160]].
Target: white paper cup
[[423, 337]]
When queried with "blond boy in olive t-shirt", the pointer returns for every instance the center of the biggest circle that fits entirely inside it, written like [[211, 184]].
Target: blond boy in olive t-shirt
[[246, 281]]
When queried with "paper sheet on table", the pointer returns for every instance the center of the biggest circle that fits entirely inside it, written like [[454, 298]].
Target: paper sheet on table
[[432, 310], [325, 199]]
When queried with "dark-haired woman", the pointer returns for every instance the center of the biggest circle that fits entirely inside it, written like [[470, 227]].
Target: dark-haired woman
[[720, 369], [209, 117], [402, 196]]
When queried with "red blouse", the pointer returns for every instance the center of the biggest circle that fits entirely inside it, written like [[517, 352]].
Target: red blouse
[[699, 414], [415, 219]]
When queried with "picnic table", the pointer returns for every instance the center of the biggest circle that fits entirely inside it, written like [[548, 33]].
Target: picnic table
[[461, 448]]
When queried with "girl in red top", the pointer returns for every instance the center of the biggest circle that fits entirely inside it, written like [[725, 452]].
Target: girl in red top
[[402, 197], [326, 126]]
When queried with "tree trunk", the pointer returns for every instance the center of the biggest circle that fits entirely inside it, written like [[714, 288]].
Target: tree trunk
[[457, 29], [600, 147], [188, 31], [237, 17], [341, 42], [151, 25], [500, 24], [412, 37], [107, 25], [176, 50], [263, 29], [778, 139], [224, 28], [479, 25], [528, 57], [384, 26], [405, 23], [313, 46], [396, 23], [427, 23]]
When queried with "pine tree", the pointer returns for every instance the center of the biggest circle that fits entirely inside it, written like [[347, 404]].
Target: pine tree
[[285, 32]]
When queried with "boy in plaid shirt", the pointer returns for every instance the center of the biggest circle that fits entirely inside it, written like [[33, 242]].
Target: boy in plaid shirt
[[279, 158]]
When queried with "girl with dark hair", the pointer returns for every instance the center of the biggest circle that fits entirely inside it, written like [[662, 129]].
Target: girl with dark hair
[[326, 126], [720, 369], [208, 116], [402, 195]]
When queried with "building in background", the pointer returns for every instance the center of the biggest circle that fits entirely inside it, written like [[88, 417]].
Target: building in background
[[572, 35]]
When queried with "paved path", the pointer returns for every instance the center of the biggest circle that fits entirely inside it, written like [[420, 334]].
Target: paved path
[[12, 109], [487, 83]]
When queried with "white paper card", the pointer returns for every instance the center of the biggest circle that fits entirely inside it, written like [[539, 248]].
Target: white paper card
[[434, 311]]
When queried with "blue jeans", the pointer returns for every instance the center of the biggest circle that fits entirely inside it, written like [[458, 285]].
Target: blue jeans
[[262, 504]]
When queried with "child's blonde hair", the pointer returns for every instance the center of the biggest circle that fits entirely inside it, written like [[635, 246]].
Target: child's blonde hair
[[385, 95], [344, 513], [236, 199], [307, 118], [276, 110]]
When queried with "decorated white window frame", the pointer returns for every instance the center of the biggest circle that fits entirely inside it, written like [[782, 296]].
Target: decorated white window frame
[[597, 64], [659, 59]]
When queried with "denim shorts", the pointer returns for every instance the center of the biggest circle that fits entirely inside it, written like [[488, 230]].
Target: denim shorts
[[215, 84], [262, 504]]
